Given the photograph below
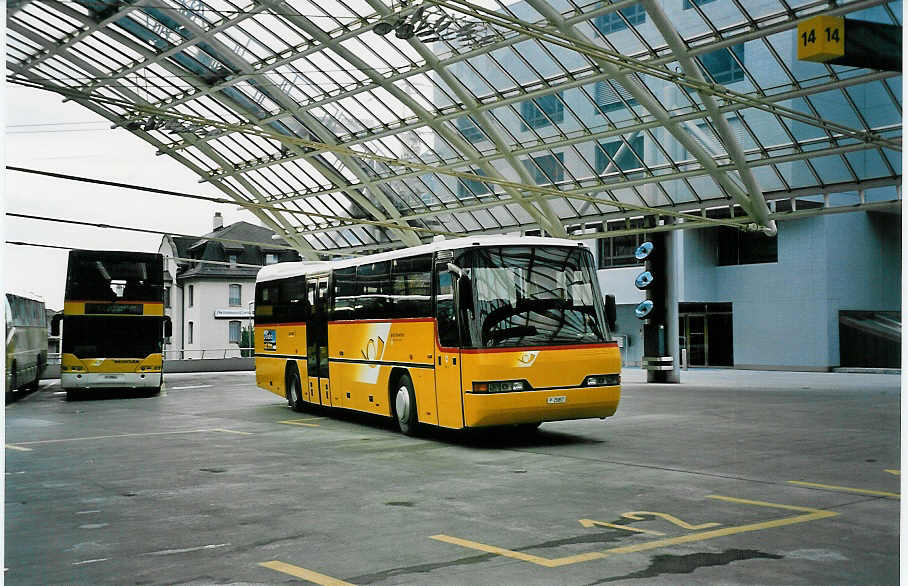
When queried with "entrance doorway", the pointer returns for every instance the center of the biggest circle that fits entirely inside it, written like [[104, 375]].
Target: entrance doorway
[[705, 330]]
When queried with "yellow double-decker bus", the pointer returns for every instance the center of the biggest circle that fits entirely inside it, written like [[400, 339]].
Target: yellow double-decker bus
[[113, 321], [464, 333]]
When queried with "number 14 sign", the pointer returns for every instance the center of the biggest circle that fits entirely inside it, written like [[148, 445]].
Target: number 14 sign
[[821, 38]]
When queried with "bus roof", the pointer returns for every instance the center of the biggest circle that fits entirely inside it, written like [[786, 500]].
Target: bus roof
[[291, 269]]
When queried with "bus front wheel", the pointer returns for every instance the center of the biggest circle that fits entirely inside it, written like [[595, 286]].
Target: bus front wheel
[[405, 406], [294, 390]]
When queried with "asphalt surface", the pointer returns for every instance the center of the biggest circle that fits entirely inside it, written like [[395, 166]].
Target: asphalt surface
[[729, 478]]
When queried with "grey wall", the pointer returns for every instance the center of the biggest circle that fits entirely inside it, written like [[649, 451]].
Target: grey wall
[[785, 314]]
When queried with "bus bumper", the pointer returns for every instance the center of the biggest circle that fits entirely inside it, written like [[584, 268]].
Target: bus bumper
[[110, 380], [482, 409]]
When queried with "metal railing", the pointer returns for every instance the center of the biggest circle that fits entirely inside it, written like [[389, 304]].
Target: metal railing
[[208, 353]]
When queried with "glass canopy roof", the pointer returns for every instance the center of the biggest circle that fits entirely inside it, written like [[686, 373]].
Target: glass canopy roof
[[353, 125]]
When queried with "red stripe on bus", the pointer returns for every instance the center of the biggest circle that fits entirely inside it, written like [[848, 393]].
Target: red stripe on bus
[[536, 348]]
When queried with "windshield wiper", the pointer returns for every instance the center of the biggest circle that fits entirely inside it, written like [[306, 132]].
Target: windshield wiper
[[514, 332]]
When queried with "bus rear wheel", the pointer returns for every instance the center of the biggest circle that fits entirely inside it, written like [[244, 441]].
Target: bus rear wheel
[[404, 402], [294, 390]]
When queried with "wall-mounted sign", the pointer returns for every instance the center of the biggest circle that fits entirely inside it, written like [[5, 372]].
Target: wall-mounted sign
[[232, 314]]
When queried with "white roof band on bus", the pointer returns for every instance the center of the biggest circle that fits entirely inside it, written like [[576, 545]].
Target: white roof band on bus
[[293, 269]]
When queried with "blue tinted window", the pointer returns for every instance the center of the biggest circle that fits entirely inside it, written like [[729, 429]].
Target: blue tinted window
[[470, 129], [609, 96], [546, 168], [688, 4], [625, 160], [721, 64], [542, 111], [612, 22], [468, 187]]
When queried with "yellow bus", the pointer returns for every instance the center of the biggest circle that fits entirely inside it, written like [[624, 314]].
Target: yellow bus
[[462, 333], [26, 342], [113, 321]]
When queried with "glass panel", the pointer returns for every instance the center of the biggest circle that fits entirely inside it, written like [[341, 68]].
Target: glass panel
[[534, 296]]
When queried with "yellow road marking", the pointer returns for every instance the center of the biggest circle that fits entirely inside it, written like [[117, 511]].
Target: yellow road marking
[[847, 489], [809, 515], [590, 523], [533, 559], [896, 472], [637, 516], [302, 421], [19, 448], [305, 574], [99, 437]]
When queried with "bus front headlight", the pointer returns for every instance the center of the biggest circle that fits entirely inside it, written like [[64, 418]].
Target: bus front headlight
[[507, 386]]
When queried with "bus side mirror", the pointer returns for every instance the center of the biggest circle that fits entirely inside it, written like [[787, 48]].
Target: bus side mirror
[[55, 324], [168, 327], [611, 312]]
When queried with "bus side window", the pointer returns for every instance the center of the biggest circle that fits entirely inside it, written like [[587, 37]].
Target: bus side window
[[411, 286], [346, 290], [444, 306]]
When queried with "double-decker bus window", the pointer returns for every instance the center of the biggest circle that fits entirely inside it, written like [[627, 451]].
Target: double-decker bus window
[[345, 292], [374, 300], [411, 286], [114, 276]]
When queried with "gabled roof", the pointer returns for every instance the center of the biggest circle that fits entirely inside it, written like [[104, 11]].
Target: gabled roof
[[239, 231]]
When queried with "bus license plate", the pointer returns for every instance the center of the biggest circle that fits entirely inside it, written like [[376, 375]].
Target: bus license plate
[[112, 376], [555, 400]]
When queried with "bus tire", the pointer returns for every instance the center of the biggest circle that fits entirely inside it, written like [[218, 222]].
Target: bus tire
[[294, 389], [404, 404]]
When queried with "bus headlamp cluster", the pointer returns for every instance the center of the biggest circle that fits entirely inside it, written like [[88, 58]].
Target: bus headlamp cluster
[[507, 386], [602, 380]]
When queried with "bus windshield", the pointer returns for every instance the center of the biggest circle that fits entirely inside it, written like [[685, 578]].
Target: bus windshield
[[533, 296], [114, 276]]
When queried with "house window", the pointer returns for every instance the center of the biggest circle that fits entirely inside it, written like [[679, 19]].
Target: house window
[[270, 258], [191, 296], [166, 296], [189, 332], [723, 65], [625, 159], [471, 187], [688, 4], [233, 332], [736, 247], [619, 251], [611, 96], [232, 259], [469, 129], [546, 169], [612, 22], [542, 111], [236, 297]]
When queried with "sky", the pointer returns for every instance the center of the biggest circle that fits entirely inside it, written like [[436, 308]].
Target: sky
[[44, 133]]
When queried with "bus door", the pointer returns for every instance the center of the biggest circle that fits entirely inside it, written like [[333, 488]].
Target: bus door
[[447, 351], [317, 340]]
